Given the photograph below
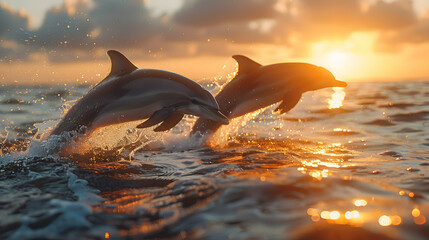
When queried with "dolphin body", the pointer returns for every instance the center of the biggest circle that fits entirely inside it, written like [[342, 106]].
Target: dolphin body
[[129, 94], [256, 86]]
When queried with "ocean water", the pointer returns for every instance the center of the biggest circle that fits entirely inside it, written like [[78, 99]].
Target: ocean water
[[347, 163]]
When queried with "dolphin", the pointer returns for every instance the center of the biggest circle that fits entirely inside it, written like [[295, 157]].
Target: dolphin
[[256, 86], [130, 94]]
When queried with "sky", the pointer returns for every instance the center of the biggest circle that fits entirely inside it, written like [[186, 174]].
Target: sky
[[65, 42]]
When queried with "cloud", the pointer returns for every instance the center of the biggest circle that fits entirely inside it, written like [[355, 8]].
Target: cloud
[[84, 28], [203, 13], [415, 34], [13, 29], [314, 20], [317, 20], [8, 54], [13, 24], [67, 26], [113, 24], [401, 23], [390, 15], [330, 12], [236, 32], [78, 28], [124, 23]]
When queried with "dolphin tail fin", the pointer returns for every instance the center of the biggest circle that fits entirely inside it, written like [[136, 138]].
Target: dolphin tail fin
[[170, 122], [288, 104], [245, 64], [120, 64]]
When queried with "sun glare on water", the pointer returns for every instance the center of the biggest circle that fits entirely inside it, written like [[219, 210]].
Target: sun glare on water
[[337, 98]]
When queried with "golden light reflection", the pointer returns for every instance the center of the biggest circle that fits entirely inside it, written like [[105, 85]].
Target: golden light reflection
[[317, 163], [385, 221], [312, 211], [420, 220], [341, 130], [360, 203], [352, 214], [337, 98], [335, 217], [319, 174], [106, 235], [389, 220], [396, 220], [332, 149], [325, 215], [315, 218], [415, 212], [348, 215], [355, 218]]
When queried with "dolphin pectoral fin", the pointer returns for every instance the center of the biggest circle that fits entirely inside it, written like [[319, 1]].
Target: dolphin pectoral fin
[[288, 103], [245, 64], [170, 122], [156, 117]]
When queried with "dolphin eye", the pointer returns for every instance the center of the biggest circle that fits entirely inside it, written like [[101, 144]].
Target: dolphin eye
[[194, 101]]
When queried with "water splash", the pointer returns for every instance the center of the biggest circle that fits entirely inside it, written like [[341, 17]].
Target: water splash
[[227, 133]]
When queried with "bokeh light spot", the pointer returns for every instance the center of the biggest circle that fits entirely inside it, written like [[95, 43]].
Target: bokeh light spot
[[385, 221]]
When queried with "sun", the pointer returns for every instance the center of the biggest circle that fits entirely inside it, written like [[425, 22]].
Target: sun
[[336, 58], [339, 63]]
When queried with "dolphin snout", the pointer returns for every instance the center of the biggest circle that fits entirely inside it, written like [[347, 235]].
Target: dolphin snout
[[222, 118], [339, 83], [205, 111], [215, 115]]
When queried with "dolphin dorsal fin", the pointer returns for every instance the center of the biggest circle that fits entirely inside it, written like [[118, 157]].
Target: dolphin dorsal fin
[[245, 64], [120, 64]]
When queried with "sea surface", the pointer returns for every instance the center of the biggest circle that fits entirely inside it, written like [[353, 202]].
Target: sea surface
[[347, 163]]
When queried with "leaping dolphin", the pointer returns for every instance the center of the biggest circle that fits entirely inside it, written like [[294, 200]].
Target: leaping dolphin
[[256, 86], [129, 94]]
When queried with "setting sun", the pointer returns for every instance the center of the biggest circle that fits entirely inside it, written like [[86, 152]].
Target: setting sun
[[337, 61], [342, 58]]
